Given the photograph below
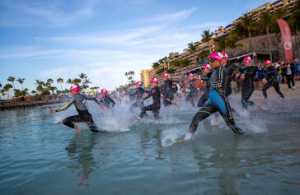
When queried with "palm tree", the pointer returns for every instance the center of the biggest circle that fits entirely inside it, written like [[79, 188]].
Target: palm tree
[[246, 26], [33, 92], [69, 81], [12, 80], [60, 81], [82, 76], [49, 82], [129, 76], [192, 47], [206, 36], [76, 81], [21, 81], [294, 18], [267, 20], [6, 88], [155, 65]]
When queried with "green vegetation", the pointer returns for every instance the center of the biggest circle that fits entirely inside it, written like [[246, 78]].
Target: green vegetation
[[10, 89]]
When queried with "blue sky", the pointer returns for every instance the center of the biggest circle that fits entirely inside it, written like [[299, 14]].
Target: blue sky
[[103, 38]]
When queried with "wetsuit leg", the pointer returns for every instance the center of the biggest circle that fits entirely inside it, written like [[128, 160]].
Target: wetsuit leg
[[244, 94], [224, 108], [90, 122], [69, 121], [203, 99], [156, 113], [288, 78], [202, 114], [145, 109], [293, 80], [266, 87], [231, 124], [167, 102], [277, 89], [247, 91], [228, 118]]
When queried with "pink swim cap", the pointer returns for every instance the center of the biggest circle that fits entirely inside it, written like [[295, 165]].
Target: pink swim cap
[[75, 89], [267, 62], [166, 75], [138, 83], [103, 91], [206, 66], [154, 80], [216, 56], [247, 60]]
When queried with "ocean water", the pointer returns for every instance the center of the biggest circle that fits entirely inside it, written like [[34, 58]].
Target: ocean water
[[38, 155]]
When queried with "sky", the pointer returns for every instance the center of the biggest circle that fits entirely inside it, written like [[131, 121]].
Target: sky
[[102, 38]]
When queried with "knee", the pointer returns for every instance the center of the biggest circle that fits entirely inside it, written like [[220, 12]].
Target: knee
[[66, 121]]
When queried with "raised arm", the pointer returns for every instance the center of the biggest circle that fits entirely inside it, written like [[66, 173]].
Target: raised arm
[[64, 107]]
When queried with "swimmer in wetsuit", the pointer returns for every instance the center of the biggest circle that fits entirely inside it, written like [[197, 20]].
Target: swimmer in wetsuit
[[270, 79], [105, 100], [248, 73], [79, 101], [192, 90], [167, 90], [217, 100], [139, 93], [155, 106]]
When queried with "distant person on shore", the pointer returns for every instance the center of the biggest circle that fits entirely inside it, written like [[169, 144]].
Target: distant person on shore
[[290, 71], [79, 101], [155, 94], [270, 79], [217, 101]]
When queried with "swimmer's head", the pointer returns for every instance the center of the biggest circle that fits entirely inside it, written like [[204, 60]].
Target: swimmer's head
[[138, 84], [166, 76], [215, 59], [247, 60], [75, 89], [103, 92], [154, 82], [267, 63]]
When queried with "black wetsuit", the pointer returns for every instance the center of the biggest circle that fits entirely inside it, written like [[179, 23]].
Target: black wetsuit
[[229, 72], [271, 77], [79, 101], [139, 93], [155, 106], [168, 92], [248, 84], [192, 93], [107, 101], [217, 101], [202, 100]]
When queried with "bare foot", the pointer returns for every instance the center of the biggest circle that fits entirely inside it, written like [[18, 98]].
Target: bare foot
[[188, 135]]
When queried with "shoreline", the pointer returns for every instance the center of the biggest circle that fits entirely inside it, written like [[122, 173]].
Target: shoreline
[[9, 105]]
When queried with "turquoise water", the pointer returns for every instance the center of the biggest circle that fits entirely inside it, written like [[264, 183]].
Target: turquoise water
[[41, 156]]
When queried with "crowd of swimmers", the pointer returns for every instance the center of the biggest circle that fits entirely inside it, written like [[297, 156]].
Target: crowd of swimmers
[[208, 90]]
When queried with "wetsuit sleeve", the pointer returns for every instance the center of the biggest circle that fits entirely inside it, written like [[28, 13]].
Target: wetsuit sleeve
[[148, 95], [111, 100], [91, 98], [65, 106]]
